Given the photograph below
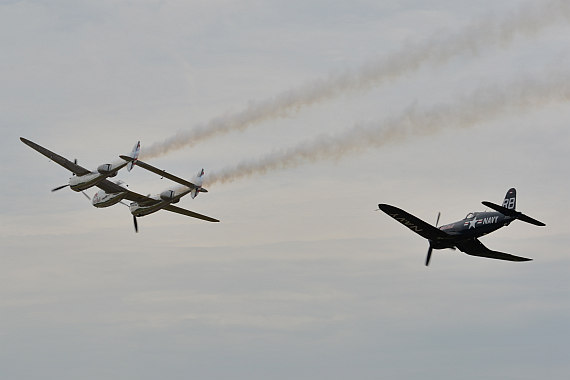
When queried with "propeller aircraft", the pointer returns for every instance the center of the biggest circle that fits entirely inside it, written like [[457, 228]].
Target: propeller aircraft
[[114, 192], [465, 234]]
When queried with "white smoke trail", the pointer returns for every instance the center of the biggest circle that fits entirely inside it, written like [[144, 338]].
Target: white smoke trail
[[527, 20], [485, 104]]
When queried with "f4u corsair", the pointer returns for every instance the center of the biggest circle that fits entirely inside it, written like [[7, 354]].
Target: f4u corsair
[[113, 192], [464, 234]]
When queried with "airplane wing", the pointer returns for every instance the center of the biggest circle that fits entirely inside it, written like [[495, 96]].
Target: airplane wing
[[111, 187], [415, 224], [474, 247], [189, 213], [160, 172], [72, 167]]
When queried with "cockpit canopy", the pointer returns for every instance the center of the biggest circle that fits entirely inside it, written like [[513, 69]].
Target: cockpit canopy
[[470, 216]]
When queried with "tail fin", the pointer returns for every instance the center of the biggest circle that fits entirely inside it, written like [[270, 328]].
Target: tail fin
[[510, 201], [134, 155], [508, 208], [199, 178], [198, 182]]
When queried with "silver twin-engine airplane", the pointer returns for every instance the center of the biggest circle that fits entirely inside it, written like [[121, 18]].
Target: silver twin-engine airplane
[[113, 192], [464, 234]]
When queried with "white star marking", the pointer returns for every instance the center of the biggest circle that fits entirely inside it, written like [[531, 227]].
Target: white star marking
[[472, 223]]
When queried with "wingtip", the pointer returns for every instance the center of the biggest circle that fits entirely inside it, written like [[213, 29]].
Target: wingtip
[[521, 259], [385, 207]]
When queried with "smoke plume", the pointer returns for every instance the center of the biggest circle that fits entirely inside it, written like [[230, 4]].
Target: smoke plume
[[489, 32], [483, 105]]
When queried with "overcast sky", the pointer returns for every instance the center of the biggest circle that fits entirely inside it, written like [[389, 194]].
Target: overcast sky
[[432, 106]]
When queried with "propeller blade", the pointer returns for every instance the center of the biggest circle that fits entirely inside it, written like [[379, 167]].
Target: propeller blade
[[136, 225], [59, 188], [428, 255], [86, 196], [437, 221]]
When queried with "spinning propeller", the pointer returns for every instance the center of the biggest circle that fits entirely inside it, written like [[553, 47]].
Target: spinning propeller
[[59, 188], [62, 186], [430, 246]]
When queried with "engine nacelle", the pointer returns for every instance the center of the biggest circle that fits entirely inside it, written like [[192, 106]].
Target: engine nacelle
[[167, 195], [105, 168]]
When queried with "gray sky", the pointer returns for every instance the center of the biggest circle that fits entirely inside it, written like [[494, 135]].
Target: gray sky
[[302, 278]]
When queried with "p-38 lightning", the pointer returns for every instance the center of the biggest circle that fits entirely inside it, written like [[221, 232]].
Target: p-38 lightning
[[113, 192], [464, 234]]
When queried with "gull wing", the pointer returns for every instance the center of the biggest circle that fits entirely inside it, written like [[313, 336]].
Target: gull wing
[[193, 214], [160, 172], [415, 224], [474, 247], [72, 167]]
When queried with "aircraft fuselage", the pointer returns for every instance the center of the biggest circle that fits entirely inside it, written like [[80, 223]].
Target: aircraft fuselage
[[103, 199], [84, 182], [475, 224]]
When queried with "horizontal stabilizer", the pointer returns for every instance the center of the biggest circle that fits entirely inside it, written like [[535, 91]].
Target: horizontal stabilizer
[[162, 173], [514, 214], [415, 224]]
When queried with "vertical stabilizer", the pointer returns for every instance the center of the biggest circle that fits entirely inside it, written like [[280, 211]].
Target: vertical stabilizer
[[134, 155], [198, 182], [510, 201]]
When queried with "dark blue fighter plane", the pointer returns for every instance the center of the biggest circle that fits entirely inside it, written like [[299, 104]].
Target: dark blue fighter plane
[[464, 234]]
